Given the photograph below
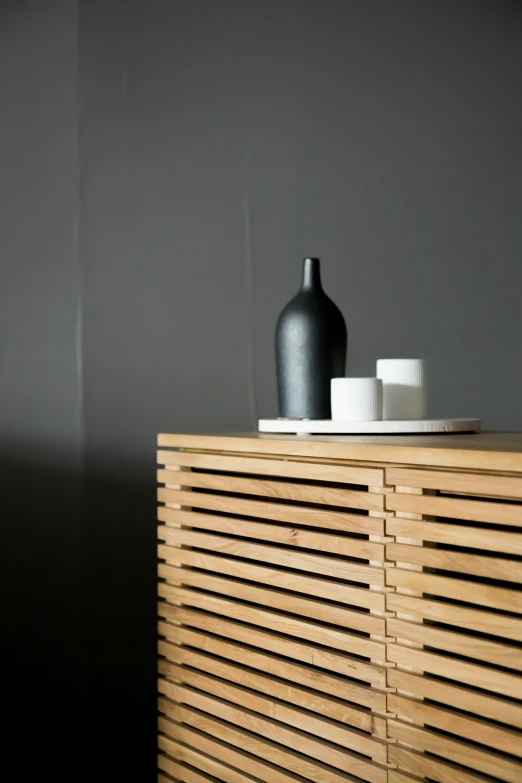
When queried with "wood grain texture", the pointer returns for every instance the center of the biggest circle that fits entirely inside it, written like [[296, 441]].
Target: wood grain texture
[[187, 755], [251, 745], [460, 589], [304, 698], [488, 679], [312, 678], [317, 621], [295, 559], [288, 580], [280, 512], [361, 501], [331, 661], [291, 626], [459, 696], [474, 729], [456, 508], [492, 623], [492, 485], [294, 715], [462, 644], [260, 487], [229, 760], [279, 468], [457, 751], [275, 533], [487, 451], [478, 565], [457, 535], [423, 766], [283, 601], [273, 730]]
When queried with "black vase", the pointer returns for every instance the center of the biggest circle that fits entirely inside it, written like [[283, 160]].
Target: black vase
[[310, 345]]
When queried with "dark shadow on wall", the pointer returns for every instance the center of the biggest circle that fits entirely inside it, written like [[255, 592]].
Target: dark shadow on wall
[[78, 622]]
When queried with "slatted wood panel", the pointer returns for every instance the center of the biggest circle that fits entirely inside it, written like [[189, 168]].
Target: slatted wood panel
[[455, 626], [271, 619]]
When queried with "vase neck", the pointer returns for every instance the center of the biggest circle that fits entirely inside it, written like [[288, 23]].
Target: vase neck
[[311, 275]]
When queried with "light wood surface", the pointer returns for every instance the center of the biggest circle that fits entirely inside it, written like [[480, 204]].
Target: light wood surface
[[227, 754], [278, 468], [304, 698], [426, 767], [287, 602], [249, 697], [293, 515], [469, 510], [489, 451], [340, 609], [463, 753], [281, 490], [441, 533], [474, 729], [300, 561], [253, 649], [261, 737], [491, 485], [494, 624], [361, 501], [290, 536], [319, 634]]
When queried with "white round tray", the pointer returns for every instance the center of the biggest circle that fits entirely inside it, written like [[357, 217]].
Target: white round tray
[[329, 427]]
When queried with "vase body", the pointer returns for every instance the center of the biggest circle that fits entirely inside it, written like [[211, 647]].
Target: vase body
[[310, 347]]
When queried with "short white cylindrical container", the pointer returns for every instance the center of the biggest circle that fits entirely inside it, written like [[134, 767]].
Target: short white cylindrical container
[[356, 399], [403, 388]]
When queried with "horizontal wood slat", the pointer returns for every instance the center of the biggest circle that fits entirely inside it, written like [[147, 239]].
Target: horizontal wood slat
[[490, 451], [492, 623], [462, 644], [271, 730], [457, 535], [277, 534], [281, 512], [326, 621], [455, 508], [313, 585], [458, 752], [335, 661], [291, 626], [459, 696], [279, 468], [492, 485], [462, 590], [304, 493], [452, 669], [268, 752], [293, 716], [306, 607], [489, 567], [428, 767], [324, 672], [312, 678], [300, 561], [477, 730], [230, 759], [187, 755], [279, 688]]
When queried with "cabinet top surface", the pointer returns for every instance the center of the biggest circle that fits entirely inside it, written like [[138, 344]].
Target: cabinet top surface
[[497, 451]]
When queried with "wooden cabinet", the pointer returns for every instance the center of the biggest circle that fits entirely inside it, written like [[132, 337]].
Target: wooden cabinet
[[344, 609]]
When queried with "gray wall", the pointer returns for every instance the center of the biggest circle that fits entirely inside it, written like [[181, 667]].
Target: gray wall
[[383, 137], [42, 535]]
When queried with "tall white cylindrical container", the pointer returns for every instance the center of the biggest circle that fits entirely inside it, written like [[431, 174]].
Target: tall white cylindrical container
[[403, 387]]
